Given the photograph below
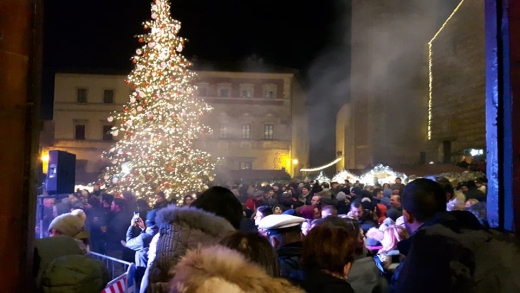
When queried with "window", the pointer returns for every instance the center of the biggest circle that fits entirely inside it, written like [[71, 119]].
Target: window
[[246, 166], [82, 95], [246, 94], [247, 90], [223, 131], [246, 131], [108, 97], [203, 92], [223, 93], [79, 133], [224, 90], [107, 132], [268, 131], [270, 91]]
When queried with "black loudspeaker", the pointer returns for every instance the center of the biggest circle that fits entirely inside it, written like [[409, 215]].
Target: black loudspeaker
[[61, 174]]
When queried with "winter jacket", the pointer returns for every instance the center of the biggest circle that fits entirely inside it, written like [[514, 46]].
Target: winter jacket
[[289, 256], [182, 228], [140, 243], [61, 266], [218, 269], [116, 230], [446, 256], [316, 281], [442, 260], [365, 277], [74, 273]]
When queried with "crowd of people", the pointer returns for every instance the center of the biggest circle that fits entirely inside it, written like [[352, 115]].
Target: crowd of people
[[297, 237]]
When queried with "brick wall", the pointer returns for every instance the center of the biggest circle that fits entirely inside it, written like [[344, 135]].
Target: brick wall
[[458, 84]]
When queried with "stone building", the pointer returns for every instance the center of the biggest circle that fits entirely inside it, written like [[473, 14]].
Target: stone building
[[458, 86], [386, 119], [259, 119]]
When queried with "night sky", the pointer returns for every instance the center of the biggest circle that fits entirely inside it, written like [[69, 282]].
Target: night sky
[[90, 35]]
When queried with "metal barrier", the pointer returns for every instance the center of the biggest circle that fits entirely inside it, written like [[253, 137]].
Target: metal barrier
[[115, 267]]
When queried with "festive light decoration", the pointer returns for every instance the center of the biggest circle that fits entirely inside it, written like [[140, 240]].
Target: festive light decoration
[[323, 178], [161, 119], [381, 174], [344, 175], [321, 167], [430, 71]]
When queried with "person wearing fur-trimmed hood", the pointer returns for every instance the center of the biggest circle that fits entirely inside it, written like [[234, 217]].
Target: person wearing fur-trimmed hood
[[218, 269], [214, 214]]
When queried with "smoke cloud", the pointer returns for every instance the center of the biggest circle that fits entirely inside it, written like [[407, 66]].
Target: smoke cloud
[[378, 52]]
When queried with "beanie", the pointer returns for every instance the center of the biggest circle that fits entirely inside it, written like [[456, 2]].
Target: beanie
[[341, 196], [67, 224]]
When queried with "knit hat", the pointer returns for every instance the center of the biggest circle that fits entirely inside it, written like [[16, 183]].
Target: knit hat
[[67, 224], [80, 214]]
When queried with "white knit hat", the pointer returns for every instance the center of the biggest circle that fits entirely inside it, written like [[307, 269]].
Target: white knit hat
[[67, 224]]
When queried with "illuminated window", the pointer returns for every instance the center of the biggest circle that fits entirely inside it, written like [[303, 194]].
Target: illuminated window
[[108, 97], [223, 131], [268, 131], [81, 95], [246, 165], [246, 131]]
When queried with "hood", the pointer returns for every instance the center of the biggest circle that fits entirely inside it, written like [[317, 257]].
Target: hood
[[208, 223], [290, 250], [220, 269]]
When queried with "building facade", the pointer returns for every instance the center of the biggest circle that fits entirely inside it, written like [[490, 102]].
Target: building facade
[[259, 120], [457, 125], [386, 119]]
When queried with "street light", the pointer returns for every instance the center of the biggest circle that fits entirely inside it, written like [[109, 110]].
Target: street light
[[295, 161]]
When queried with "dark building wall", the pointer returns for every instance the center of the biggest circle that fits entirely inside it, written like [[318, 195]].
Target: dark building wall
[[389, 79], [458, 84]]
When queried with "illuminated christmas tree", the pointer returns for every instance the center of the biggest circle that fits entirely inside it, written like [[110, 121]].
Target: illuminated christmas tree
[[161, 120]]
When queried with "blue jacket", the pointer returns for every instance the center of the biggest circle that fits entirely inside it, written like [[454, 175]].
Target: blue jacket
[[140, 242]]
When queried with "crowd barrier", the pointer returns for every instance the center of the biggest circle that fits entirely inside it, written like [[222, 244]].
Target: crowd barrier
[[120, 282]]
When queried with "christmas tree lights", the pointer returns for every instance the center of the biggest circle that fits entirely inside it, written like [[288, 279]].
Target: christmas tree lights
[[160, 121]]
